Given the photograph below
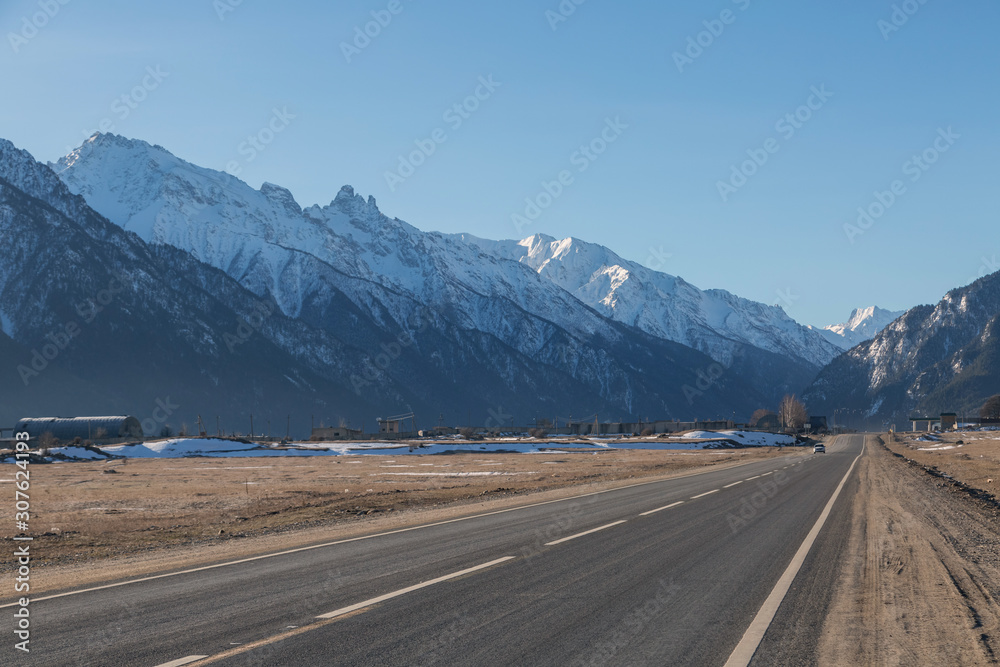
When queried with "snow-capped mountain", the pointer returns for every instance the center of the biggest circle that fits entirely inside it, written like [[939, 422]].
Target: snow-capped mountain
[[390, 270], [863, 325], [716, 322], [432, 317], [96, 321], [933, 359]]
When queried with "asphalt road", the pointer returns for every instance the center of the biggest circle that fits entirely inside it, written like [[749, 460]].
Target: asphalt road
[[676, 586]]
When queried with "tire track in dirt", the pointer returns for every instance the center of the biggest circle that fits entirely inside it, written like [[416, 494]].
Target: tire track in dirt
[[921, 578]]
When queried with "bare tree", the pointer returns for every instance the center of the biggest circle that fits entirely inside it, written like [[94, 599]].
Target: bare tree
[[758, 415], [792, 412], [991, 408]]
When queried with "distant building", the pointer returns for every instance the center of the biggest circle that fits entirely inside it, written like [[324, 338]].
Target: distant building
[[661, 426], [437, 432], [96, 429], [817, 425], [336, 433], [395, 426], [947, 421], [388, 426]]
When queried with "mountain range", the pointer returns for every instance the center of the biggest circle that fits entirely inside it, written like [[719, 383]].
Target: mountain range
[[158, 282], [233, 301], [932, 359], [583, 299]]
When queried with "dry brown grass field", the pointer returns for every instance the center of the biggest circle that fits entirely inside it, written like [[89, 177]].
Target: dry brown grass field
[[972, 458]]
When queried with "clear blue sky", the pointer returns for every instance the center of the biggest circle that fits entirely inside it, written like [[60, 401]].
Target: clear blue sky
[[654, 189]]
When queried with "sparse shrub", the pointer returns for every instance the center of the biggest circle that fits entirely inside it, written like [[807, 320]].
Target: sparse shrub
[[47, 441], [646, 432], [166, 431], [538, 433], [467, 433]]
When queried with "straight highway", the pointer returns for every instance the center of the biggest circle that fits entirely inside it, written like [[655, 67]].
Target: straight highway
[[686, 571]]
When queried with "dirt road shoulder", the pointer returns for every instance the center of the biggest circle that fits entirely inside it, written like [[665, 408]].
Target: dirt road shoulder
[[920, 580]]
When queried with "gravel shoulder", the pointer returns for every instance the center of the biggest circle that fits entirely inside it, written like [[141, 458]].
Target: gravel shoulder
[[920, 579]]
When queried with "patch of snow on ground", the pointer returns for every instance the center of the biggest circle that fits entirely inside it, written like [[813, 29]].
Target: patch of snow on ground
[[181, 447], [748, 438], [77, 453]]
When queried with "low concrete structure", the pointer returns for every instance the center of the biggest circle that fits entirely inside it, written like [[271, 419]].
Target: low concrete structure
[[947, 421]]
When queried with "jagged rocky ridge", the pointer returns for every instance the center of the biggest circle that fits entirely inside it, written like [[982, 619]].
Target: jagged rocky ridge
[[933, 359], [390, 271], [862, 325], [280, 331]]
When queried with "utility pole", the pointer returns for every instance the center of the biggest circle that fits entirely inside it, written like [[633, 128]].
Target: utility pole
[[288, 427], [251, 425], [218, 426]]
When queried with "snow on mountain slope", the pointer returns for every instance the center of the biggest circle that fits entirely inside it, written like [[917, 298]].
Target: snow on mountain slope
[[930, 360], [259, 237], [529, 295], [863, 325], [715, 322], [123, 326], [487, 321]]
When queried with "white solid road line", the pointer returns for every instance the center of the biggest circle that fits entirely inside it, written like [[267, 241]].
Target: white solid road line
[[586, 532], [743, 653], [702, 495], [368, 537], [754, 477], [733, 484], [767, 473], [665, 507], [410, 589], [182, 661]]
